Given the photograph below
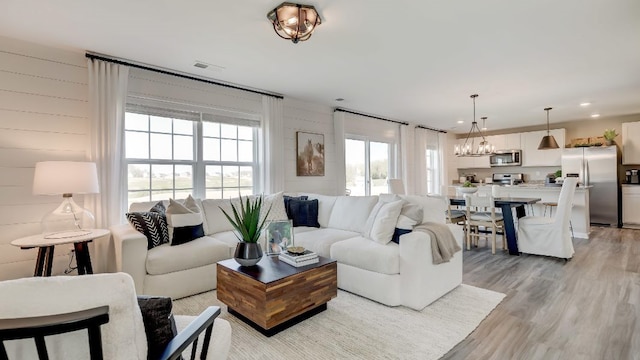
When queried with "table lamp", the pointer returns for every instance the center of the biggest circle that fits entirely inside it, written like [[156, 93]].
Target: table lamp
[[66, 178]]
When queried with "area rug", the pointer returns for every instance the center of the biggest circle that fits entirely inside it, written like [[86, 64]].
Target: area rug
[[353, 327]]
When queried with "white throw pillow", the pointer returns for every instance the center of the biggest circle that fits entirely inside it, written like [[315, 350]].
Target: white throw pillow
[[179, 215], [410, 216], [382, 221], [276, 203]]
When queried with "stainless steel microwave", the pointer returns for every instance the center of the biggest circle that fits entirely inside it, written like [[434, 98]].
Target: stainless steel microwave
[[506, 158]]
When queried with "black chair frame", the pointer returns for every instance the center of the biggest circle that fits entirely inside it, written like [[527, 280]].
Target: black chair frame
[[92, 319]]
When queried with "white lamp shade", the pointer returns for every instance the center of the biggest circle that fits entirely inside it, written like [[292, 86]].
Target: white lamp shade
[[65, 177]]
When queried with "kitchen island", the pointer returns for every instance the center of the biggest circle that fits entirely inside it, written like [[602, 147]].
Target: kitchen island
[[579, 213]]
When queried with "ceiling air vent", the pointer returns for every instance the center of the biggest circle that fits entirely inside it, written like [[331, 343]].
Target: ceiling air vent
[[201, 65]]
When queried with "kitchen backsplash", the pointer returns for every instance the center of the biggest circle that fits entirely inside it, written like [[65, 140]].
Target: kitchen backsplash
[[530, 173]]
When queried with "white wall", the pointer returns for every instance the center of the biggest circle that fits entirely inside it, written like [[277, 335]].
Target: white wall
[[43, 116], [309, 117], [152, 85]]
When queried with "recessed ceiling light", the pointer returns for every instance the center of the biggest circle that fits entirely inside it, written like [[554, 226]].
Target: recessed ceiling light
[[595, 115], [460, 121], [586, 103], [339, 99]]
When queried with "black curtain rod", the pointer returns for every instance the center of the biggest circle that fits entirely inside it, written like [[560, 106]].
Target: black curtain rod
[[166, 72], [370, 116], [432, 129]]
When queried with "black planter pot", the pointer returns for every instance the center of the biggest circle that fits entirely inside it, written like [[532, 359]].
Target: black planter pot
[[248, 254]]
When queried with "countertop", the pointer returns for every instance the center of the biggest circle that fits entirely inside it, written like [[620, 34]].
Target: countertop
[[529, 186]]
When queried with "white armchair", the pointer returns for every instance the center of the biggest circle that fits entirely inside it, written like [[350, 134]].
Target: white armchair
[[550, 236], [123, 336]]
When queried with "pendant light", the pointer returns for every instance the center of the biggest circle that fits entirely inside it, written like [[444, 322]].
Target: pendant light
[[548, 141], [468, 148]]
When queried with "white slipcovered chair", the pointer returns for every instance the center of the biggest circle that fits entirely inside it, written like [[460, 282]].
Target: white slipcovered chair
[[123, 336], [540, 235]]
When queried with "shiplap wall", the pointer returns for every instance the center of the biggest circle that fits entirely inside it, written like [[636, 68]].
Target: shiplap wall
[[43, 116], [309, 117]]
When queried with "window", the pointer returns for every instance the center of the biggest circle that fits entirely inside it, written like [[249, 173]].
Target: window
[[432, 170], [171, 154], [367, 166], [228, 157]]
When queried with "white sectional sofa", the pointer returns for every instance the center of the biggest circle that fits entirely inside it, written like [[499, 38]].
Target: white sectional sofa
[[392, 274]]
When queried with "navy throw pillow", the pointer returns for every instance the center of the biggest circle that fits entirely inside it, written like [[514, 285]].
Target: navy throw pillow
[[287, 199], [304, 212], [159, 324], [184, 234], [397, 233]]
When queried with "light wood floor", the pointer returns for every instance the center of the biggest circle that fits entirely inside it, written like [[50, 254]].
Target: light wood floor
[[587, 308]]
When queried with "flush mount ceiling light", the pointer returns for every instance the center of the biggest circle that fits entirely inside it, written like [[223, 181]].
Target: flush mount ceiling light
[[548, 141], [468, 148], [294, 22]]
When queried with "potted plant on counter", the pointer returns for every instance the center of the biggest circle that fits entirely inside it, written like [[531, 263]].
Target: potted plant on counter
[[609, 135], [248, 227]]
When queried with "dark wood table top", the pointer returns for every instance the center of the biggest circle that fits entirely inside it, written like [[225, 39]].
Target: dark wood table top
[[270, 269], [500, 200]]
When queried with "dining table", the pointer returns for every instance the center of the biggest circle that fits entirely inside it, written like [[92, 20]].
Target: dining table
[[506, 204]]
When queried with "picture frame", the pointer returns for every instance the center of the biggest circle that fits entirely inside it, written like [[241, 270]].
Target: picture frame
[[309, 154], [278, 236]]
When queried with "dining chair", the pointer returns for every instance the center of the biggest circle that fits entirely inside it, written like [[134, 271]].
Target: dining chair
[[550, 236], [481, 212], [455, 215]]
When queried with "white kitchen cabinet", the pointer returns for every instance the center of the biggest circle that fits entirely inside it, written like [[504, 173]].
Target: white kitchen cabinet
[[505, 141], [498, 141], [631, 143], [512, 142], [531, 156], [631, 205]]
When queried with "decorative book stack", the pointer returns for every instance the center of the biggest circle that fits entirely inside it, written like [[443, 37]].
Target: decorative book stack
[[308, 257]]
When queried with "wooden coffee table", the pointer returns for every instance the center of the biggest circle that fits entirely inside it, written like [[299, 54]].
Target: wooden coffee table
[[273, 295]]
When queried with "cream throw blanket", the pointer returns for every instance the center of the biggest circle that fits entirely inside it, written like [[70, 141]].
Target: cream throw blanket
[[443, 243]]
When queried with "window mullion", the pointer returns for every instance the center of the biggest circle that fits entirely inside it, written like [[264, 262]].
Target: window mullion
[[199, 176], [367, 167]]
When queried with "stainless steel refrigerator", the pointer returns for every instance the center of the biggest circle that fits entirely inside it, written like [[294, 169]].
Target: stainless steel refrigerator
[[598, 167]]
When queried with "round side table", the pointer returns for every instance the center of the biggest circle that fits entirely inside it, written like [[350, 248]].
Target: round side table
[[47, 244]]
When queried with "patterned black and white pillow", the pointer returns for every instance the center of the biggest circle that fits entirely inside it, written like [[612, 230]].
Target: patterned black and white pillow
[[153, 224]]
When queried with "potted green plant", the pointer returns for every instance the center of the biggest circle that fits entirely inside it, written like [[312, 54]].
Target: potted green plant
[[609, 135], [248, 225]]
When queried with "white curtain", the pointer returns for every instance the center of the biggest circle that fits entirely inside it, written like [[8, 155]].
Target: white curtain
[[443, 148], [407, 159], [427, 140], [107, 100], [338, 136], [273, 149]]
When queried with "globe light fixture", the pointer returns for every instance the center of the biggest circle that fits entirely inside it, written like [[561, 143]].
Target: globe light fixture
[[294, 22]]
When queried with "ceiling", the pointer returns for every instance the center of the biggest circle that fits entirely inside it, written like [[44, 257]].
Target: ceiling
[[415, 61]]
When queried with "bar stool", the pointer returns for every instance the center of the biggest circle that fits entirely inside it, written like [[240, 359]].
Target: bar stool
[[551, 205]]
